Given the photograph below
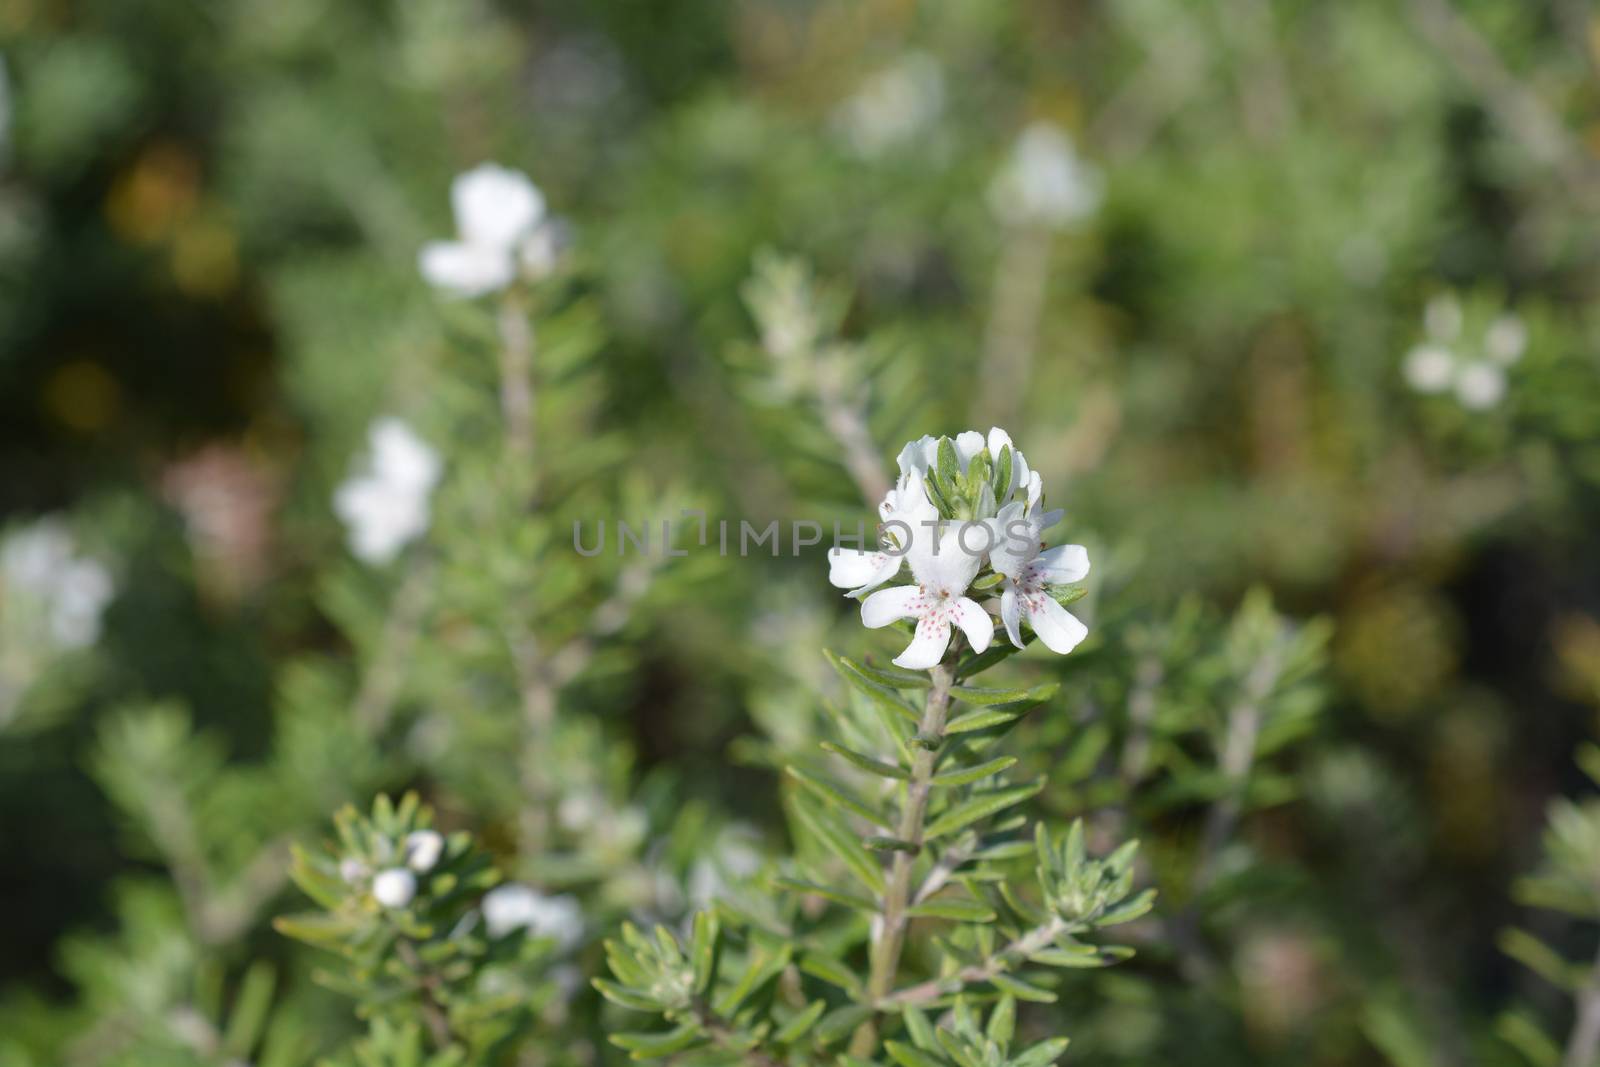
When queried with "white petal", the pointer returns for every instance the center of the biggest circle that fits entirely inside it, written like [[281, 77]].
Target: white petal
[[968, 444], [997, 440], [887, 605], [495, 206], [1057, 627], [1016, 540], [466, 270], [918, 457], [860, 571], [927, 647], [1062, 564], [975, 623], [950, 568], [1035, 486], [1011, 614]]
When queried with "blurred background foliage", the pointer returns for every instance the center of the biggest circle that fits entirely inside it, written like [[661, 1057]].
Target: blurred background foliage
[[209, 220]]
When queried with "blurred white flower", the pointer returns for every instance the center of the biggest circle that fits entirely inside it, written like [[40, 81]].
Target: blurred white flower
[[1480, 385], [423, 849], [893, 106], [40, 561], [385, 506], [516, 907], [352, 870], [1045, 183], [502, 230], [1430, 368], [395, 887]]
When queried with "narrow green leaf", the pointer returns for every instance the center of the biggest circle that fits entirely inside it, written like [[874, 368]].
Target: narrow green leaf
[[986, 697], [967, 775], [703, 949], [1022, 990], [838, 840], [867, 763], [796, 1028], [833, 972], [880, 693], [627, 998], [838, 896], [907, 1056], [644, 1046], [969, 911], [979, 806], [836, 795], [982, 719]]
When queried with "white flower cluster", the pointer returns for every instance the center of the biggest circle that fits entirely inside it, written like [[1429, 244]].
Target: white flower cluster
[[512, 907], [1445, 362], [503, 233], [40, 567], [962, 506], [1045, 183], [396, 887], [385, 505]]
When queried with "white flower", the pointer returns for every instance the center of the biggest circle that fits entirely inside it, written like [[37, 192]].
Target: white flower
[[385, 507], [1045, 183], [501, 226], [1430, 368], [423, 849], [1027, 571], [514, 907], [41, 562], [893, 106], [943, 568], [395, 887], [1480, 385], [1506, 340], [352, 870]]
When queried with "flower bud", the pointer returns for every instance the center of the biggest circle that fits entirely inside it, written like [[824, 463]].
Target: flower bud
[[422, 849], [395, 887]]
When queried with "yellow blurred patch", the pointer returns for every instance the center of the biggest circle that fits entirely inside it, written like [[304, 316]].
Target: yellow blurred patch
[[153, 196], [205, 259], [82, 395]]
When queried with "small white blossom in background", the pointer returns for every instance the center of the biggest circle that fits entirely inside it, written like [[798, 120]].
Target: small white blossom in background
[[502, 232], [39, 563], [395, 887], [423, 849], [385, 506], [519, 907], [993, 513], [893, 107], [1446, 361], [1045, 183]]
